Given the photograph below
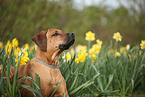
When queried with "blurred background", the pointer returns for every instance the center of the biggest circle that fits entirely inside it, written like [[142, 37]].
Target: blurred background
[[22, 19]]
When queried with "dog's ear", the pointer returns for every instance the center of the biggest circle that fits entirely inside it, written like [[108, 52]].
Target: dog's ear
[[40, 40]]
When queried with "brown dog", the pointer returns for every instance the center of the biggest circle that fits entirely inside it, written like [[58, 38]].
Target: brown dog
[[51, 44]]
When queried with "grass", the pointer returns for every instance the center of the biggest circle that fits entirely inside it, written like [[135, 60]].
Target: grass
[[106, 75]]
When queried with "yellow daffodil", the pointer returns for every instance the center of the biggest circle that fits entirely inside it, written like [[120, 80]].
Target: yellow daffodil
[[72, 51], [8, 47], [1, 45], [94, 56], [17, 51], [90, 36], [25, 53], [117, 36], [91, 51], [95, 49], [77, 60], [15, 42], [27, 46], [117, 54], [99, 42], [23, 60], [142, 44], [81, 48], [68, 56], [122, 49], [81, 57]]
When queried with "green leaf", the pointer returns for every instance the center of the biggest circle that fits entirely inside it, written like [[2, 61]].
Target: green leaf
[[110, 80], [26, 86], [74, 82], [64, 94], [82, 86]]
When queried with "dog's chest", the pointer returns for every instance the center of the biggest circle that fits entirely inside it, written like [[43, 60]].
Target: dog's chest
[[49, 77], [53, 84], [49, 81]]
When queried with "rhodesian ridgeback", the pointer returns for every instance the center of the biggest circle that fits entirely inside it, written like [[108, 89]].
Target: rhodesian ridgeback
[[51, 43]]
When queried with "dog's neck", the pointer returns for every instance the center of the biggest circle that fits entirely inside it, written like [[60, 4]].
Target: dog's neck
[[49, 58]]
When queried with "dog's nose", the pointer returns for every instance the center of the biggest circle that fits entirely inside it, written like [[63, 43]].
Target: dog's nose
[[71, 35]]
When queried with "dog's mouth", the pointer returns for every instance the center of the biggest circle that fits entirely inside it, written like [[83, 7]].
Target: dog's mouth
[[71, 40]]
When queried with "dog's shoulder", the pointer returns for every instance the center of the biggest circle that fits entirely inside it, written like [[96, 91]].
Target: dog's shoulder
[[24, 69]]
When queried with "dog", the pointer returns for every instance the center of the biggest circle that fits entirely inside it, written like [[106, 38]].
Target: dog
[[51, 43]]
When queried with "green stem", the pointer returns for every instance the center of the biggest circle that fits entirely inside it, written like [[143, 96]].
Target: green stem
[[115, 47], [89, 45]]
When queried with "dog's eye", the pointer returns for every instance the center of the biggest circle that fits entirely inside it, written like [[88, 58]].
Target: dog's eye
[[55, 34]]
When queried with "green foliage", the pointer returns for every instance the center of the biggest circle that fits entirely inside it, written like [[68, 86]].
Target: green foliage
[[124, 72], [11, 86], [108, 74]]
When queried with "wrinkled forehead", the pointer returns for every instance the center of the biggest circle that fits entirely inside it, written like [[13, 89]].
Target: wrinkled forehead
[[54, 30], [50, 32]]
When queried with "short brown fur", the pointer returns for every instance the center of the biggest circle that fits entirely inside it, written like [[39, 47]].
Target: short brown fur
[[49, 52]]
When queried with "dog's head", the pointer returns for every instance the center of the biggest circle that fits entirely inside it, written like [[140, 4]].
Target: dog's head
[[53, 40]]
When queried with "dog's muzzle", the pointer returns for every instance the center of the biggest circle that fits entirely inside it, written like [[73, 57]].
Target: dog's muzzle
[[70, 41]]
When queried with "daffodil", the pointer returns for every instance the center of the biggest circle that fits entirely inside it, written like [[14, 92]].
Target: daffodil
[[122, 49], [15, 42], [8, 47], [95, 49], [117, 36], [81, 57], [68, 56], [127, 47], [81, 48], [72, 51], [91, 51], [99, 42], [27, 46], [1, 45], [23, 60], [17, 52], [117, 54], [142, 44], [94, 56], [90, 36], [25, 53], [77, 60]]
